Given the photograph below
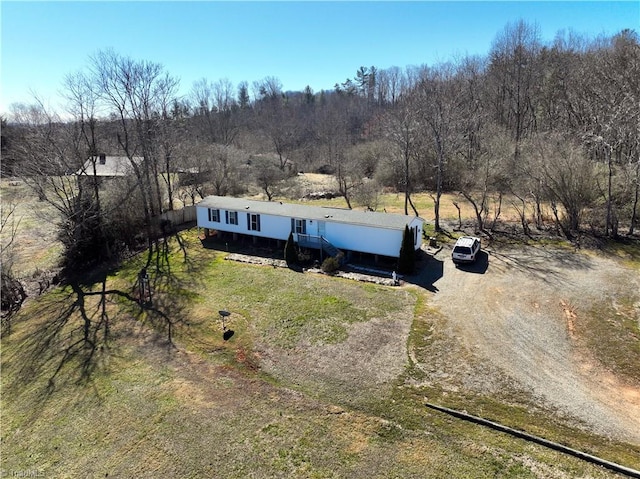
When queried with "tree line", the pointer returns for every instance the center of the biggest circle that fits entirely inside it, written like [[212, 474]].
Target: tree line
[[532, 123]]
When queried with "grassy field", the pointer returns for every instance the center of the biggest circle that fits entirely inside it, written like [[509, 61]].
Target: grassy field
[[93, 385], [319, 378], [36, 247]]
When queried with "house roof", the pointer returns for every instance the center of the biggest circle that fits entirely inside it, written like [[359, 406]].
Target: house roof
[[319, 213], [112, 166]]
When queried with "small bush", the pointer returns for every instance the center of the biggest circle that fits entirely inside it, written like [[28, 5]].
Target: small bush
[[330, 265], [326, 170], [304, 257]]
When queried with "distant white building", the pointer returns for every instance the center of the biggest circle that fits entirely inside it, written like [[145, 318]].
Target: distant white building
[[108, 166], [316, 227]]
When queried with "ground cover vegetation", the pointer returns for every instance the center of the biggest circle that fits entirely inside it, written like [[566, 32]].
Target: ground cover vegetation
[[532, 142], [96, 383]]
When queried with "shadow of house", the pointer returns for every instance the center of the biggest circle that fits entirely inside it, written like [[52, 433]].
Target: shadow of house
[[428, 271]]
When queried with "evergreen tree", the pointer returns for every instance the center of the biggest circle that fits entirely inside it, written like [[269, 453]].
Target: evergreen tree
[[290, 255], [406, 261], [243, 95]]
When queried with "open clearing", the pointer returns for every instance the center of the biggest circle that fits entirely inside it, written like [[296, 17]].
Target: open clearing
[[326, 377]]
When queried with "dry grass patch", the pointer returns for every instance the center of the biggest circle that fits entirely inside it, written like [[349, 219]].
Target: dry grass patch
[[610, 329], [199, 406], [36, 247]]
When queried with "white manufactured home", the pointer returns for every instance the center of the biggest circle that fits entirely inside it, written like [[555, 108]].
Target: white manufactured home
[[312, 226]]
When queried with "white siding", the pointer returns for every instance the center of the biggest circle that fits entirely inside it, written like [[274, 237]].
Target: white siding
[[366, 239], [276, 227], [380, 241], [417, 223]]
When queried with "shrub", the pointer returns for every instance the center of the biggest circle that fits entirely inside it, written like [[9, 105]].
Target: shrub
[[407, 259], [304, 257], [290, 255], [330, 265]]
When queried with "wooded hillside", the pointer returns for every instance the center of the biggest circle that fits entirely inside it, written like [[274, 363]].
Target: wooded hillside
[[545, 123]]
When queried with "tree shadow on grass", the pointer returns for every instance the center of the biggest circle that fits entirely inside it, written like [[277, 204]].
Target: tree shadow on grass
[[74, 335], [67, 346], [173, 284]]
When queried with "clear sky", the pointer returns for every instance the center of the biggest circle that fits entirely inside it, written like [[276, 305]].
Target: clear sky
[[301, 43]]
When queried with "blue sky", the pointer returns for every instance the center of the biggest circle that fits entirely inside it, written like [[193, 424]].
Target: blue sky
[[301, 43]]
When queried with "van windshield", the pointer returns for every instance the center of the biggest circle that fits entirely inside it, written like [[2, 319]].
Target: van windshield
[[462, 250]]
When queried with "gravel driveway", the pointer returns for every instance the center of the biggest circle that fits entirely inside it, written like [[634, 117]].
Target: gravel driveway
[[514, 311], [502, 327]]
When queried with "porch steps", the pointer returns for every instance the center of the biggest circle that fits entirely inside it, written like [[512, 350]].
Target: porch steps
[[321, 243], [332, 251]]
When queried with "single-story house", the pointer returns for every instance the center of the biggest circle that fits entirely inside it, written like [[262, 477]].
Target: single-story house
[[315, 227], [107, 166], [104, 166], [100, 168]]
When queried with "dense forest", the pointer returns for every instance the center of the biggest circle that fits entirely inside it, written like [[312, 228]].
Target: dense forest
[[554, 123]]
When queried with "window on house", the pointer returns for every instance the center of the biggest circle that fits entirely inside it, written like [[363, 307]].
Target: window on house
[[301, 227], [253, 221], [231, 217], [214, 215]]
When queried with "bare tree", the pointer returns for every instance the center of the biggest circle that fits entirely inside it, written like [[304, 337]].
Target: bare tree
[[569, 177], [82, 105], [479, 181], [137, 93], [561, 105], [268, 176], [394, 79], [403, 131], [471, 108], [331, 131], [222, 168], [217, 110], [438, 101], [612, 131], [277, 117], [349, 178], [268, 87], [51, 152], [13, 293], [512, 73]]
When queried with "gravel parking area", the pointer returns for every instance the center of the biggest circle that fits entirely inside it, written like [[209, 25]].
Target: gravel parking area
[[515, 311]]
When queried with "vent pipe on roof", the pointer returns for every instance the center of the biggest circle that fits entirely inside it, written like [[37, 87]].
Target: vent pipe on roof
[[103, 158]]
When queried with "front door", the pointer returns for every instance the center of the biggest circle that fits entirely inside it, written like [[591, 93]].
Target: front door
[[321, 228]]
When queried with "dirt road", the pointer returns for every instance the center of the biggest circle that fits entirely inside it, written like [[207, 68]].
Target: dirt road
[[515, 311]]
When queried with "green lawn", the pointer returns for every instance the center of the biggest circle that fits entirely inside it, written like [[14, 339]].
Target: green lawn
[[95, 386]]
